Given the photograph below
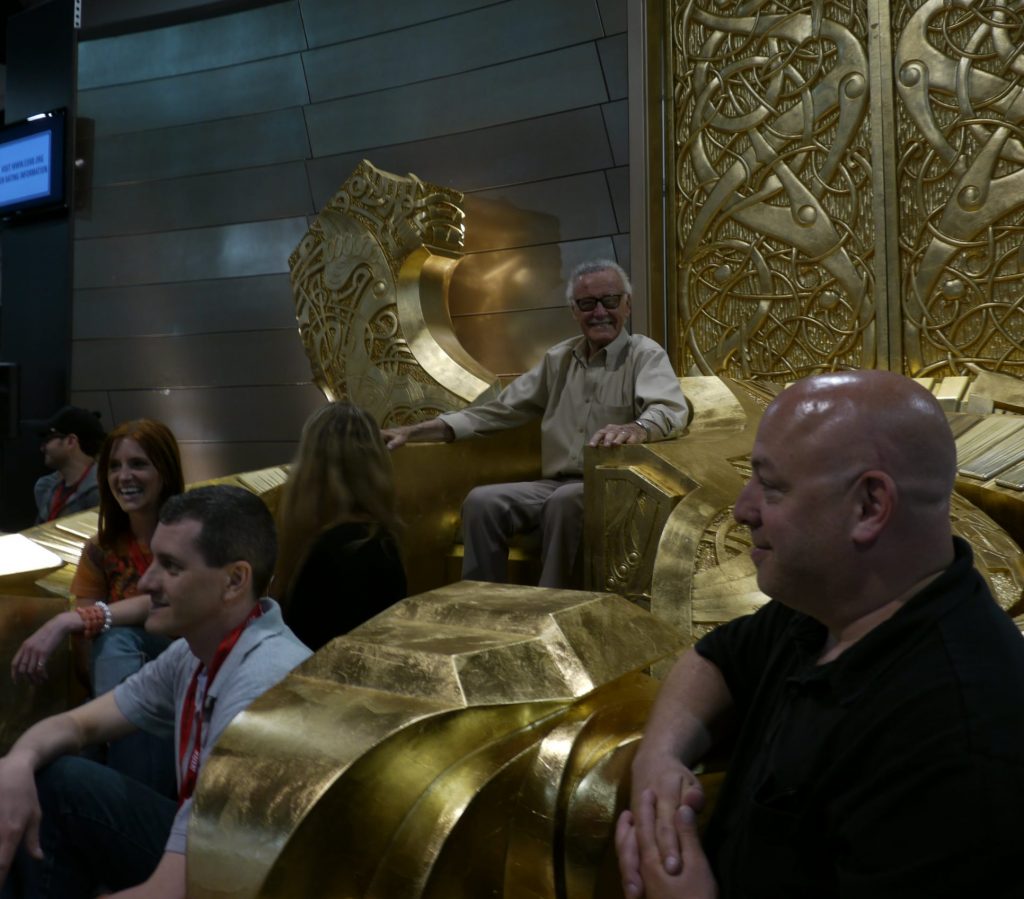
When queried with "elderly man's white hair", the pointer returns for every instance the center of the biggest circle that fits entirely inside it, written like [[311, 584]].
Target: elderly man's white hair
[[597, 265]]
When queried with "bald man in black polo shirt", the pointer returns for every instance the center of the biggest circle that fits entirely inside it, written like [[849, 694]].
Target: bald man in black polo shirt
[[875, 708]]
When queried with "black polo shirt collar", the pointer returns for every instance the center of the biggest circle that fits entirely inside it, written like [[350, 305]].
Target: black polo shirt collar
[[868, 660]]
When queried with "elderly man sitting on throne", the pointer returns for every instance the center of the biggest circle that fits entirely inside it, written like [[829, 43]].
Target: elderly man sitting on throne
[[604, 388]]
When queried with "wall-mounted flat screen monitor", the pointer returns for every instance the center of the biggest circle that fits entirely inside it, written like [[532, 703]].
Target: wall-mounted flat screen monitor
[[32, 166]]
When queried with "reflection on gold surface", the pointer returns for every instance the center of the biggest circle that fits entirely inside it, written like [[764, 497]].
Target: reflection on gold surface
[[31, 598], [432, 480], [23, 561], [23, 704], [439, 750], [370, 281]]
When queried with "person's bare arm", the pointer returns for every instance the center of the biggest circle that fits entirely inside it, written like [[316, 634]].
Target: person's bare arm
[[97, 721], [433, 431], [166, 882], [692, 705], [29, 662]]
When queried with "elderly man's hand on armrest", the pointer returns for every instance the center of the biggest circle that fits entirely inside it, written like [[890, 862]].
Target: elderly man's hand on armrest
[[433, 431], [617, 435]]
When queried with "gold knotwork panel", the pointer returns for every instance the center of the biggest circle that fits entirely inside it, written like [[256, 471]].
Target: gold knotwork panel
[[771, 149], [959, 77], [345, 275]]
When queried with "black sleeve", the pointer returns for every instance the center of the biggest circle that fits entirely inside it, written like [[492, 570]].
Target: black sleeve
[[742, 648]]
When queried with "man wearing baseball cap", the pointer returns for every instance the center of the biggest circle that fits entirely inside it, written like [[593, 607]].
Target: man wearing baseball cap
[[70, 439]]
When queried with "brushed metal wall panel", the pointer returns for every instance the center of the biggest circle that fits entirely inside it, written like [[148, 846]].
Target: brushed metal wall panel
[[517, 301], [226, 93], [621, 243], [614, 15], [482, 37], [188, 307], [197, 360], [230, 414], [324, 24], [524, 336], [618, 186], [573, 141], [526, 278], [231, 251], [222, 146], [532, 137], [550, 82], [616, 117], [96, 401], [202, 461], [121, 16], [268, 192], [613, 61], [192, 47], [542, 212]]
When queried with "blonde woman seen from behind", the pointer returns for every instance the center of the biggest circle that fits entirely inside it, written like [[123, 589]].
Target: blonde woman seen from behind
[[339, 563]]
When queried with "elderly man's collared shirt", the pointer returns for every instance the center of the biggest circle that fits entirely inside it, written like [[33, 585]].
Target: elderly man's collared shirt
[[630, 379]]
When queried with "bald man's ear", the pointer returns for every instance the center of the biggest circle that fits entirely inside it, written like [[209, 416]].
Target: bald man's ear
[[875, 493]]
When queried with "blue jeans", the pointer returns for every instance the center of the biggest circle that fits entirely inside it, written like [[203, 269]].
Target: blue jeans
[[99, 829], [116, 655], [119, 653]]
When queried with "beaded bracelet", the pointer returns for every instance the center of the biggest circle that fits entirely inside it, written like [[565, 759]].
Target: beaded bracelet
[[108, 619], [96, 618]]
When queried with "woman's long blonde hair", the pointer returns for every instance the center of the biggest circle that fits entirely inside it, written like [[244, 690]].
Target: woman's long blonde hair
[[342, 472]]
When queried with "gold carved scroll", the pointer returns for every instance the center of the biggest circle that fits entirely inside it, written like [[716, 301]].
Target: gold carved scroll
[[370, 281]]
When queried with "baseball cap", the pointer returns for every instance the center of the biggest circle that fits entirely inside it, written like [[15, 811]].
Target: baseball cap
[[84, 424]]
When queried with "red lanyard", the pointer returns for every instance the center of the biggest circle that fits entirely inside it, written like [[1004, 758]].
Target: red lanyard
[[190, 772], [63, 493]]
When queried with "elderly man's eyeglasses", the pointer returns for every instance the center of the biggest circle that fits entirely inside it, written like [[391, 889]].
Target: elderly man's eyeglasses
[[587, 304]]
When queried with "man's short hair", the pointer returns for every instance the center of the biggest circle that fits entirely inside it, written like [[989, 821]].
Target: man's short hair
[[597, 265], [236, 526]]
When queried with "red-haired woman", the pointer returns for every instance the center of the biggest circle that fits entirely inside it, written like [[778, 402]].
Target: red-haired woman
[[138, 468]]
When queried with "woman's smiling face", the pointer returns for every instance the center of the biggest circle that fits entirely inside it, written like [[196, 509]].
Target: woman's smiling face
[[133, 479]]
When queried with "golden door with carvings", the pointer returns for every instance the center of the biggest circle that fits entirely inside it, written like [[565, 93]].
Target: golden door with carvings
[[847, 186]]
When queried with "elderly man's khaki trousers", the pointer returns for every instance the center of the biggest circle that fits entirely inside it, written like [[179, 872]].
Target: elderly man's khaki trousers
[[493, 513]]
